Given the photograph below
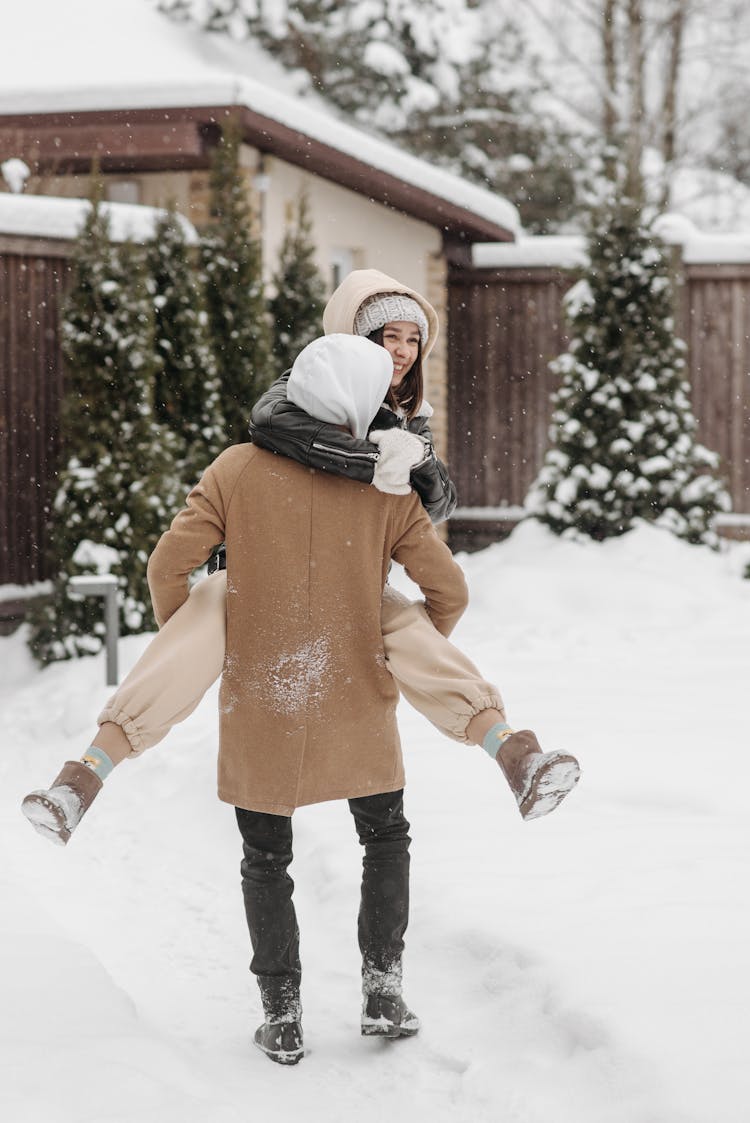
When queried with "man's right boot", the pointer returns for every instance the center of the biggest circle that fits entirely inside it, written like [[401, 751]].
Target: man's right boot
[[56, 811], [538, 780], [280, 1041]]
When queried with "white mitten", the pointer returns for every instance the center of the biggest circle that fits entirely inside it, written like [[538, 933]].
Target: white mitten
[[400, 451]]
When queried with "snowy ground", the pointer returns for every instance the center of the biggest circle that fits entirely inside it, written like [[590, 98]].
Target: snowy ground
[[591, 966]]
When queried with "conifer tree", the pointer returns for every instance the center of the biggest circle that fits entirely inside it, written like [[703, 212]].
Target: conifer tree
[[623, 443], [297, 308], [116, 490], [187, 396], [235, 301]]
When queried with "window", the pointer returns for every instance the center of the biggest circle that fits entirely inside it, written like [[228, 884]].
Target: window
[[342, 263], [124, 191]]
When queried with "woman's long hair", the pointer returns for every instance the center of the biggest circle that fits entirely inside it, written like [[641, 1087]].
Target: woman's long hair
[[408, 394]]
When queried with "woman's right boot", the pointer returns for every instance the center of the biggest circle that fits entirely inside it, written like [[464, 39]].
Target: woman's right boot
[[538, 780], [56, 811]]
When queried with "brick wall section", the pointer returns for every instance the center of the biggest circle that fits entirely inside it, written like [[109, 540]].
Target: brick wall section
[[437, 364], [200, 199]]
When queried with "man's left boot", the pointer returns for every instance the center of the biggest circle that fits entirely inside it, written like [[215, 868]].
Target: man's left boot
[[387, 1015], [539, 781]]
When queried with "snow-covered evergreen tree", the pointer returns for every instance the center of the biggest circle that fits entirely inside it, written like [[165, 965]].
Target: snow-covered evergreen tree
[[238, 327], [116, 491], [623, 443], [451, 80], [297, 308], [187, 396]]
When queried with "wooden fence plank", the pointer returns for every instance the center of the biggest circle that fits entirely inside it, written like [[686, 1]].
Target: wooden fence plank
[[31, 388]]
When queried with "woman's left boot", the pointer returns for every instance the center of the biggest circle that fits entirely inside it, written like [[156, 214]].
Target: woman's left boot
[[539, 781], [56, 811]]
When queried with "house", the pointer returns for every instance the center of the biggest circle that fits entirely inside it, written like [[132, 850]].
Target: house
[[147, 99]]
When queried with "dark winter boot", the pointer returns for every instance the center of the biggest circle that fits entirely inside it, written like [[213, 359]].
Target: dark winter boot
[[538, 780], [384, 1012], [387, 1015], [57, 811], [280, 1041], [280, 1036]]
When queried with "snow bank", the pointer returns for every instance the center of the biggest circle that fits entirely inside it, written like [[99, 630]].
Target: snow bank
[[42, 216], [587, 968]]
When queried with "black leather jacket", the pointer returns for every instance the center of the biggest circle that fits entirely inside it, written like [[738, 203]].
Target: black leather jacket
[[280, 426]]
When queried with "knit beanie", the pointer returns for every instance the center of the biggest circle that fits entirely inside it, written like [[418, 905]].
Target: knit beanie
[[387, 308]]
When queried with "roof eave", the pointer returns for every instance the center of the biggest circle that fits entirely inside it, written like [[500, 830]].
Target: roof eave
[[131, 141]]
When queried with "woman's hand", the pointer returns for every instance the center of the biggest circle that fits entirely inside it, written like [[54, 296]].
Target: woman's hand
[[400, 451]]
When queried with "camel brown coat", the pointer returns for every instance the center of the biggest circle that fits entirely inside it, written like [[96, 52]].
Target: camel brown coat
[[307, 706]]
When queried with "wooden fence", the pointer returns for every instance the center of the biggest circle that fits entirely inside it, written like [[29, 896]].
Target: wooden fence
[[505, 325], [32, 280]]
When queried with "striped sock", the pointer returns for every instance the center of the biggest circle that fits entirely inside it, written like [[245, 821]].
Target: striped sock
[[97, 760], [494, 739]]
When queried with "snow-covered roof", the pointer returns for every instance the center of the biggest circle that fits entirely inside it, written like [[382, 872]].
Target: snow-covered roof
[[568, 251], [700, 248], [561, 251], [126, 55], [42, 216]]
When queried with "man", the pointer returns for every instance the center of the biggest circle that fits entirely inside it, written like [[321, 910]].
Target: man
[[307, 705]]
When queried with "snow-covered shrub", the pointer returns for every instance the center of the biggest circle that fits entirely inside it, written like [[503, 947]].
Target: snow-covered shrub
[[238, 329], [116, 487], [297, 306], [187, 393], [623, 443]]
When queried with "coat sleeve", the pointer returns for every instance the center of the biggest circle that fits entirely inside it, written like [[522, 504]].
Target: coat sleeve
[[431, 481], [193, 534], [280, 426], [430, 564]]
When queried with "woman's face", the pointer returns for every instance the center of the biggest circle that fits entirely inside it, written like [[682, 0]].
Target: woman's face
[[401, 341]]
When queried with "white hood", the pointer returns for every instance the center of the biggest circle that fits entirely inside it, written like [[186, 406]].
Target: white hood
[[341, 379]]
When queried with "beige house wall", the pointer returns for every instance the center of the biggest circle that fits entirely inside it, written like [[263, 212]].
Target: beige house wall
[[349, 230]]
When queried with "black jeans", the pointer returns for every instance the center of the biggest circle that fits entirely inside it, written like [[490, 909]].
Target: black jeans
[[267, 888]]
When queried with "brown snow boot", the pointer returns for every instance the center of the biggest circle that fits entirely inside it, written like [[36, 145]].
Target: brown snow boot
[[57, 811], [538, 780]]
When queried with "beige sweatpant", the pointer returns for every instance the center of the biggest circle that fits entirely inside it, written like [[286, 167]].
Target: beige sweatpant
[[187, 656]]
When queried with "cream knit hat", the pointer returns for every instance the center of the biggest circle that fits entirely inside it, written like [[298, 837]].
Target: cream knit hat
[[387, 308]]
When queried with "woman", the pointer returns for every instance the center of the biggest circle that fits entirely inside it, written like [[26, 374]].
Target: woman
[[187, 655]]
